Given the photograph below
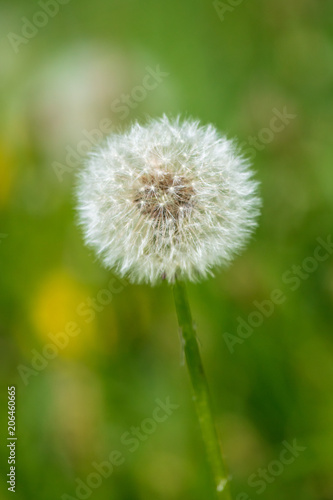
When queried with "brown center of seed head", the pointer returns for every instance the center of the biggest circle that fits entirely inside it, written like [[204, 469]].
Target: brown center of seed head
[[164, 195]]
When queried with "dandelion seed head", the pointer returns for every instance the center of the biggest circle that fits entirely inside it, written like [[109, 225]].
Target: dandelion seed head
[[165, 198]]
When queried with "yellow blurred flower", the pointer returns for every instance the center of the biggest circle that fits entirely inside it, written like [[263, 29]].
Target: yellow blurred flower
[[54, 314]]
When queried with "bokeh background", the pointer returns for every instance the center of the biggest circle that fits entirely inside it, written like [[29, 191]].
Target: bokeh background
[[235, 66]]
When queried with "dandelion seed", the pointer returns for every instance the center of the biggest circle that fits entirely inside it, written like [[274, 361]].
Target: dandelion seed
[[192, 201]]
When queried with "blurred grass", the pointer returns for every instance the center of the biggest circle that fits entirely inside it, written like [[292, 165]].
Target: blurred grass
[[277, 385]]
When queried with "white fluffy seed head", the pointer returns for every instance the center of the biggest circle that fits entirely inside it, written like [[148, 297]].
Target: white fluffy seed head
[[168, 198]]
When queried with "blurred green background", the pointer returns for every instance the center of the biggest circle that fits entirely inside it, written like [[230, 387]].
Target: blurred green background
[[235, 66]]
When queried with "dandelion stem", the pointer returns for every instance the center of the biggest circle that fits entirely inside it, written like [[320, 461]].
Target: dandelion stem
[[201, 392]]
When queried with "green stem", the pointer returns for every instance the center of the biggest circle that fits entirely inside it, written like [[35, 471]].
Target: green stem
[[201, 392]]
